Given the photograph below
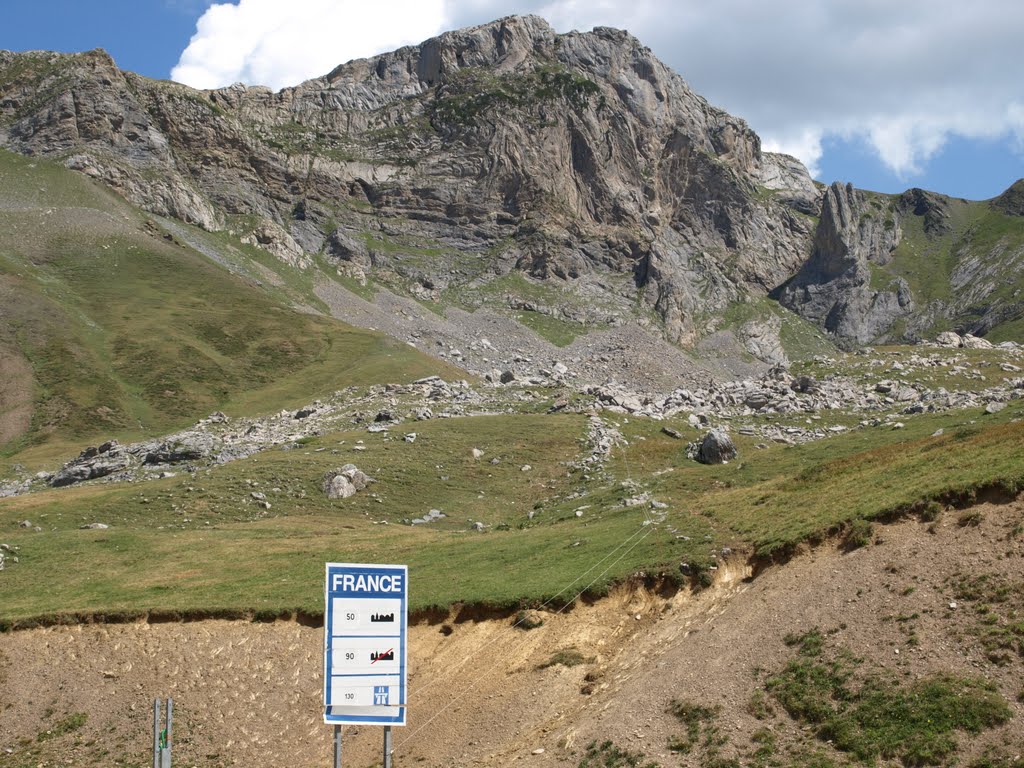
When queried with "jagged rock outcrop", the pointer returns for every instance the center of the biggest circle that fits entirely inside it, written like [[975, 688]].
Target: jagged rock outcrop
[[834, 287], [932, 208], [185, 446], [787, 177], [93, 462], [86, 111], [1012, 200]]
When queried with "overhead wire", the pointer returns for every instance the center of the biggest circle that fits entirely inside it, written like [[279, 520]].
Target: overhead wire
[[554, 597], [644, 530], [462, 694]]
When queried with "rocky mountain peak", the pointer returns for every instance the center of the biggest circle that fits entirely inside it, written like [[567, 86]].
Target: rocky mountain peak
[[579, 161], [504, 45], [1012, 200], [932, 207], [834, 288]]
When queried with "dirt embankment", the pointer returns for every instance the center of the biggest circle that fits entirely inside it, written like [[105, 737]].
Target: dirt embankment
[[249, 693]]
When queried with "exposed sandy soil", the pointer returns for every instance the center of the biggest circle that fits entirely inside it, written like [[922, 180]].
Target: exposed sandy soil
[[249, 694]]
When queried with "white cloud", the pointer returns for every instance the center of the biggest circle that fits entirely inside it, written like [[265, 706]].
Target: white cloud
[[269, 42], [803, 143], [1015, 115], [904, 77], [906, 143]]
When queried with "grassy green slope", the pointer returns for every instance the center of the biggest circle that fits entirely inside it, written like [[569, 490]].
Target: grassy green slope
[[924, 261], [130, 333], [977, 230], [201, 544]]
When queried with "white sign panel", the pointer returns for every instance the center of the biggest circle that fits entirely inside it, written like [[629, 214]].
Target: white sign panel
[[365, 629]]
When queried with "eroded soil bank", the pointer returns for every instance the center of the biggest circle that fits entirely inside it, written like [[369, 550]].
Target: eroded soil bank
[[914, 602]]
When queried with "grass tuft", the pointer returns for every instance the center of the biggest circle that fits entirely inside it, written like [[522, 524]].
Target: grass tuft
[[69, 724], [872, 716], [568, 657], [609, 755]]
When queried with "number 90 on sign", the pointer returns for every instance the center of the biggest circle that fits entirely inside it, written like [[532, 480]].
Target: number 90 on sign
[[366, 656]]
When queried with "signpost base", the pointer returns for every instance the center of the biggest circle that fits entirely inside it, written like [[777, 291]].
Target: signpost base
[[162, 737]]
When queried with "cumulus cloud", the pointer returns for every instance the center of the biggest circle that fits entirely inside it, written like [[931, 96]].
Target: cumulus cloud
[[274, 43], [904, 77], [1015, 113], [801, 142]]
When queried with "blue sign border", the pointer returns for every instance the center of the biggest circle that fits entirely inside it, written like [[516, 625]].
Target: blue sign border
[[365, 569]]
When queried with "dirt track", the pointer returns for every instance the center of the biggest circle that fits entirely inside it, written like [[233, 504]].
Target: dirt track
[[249, 693]]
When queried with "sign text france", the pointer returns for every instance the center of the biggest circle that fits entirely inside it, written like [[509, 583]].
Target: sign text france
[[365, 629]]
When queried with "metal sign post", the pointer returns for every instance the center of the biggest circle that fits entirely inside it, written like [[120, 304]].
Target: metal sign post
[[156, 733], [365, 632], [162, 736]]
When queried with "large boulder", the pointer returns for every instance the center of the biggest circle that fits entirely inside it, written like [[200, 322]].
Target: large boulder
[[716, 448], [344, 482], [976, 342]]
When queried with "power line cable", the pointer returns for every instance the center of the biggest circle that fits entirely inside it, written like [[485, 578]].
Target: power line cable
[[494, 666], [646, 528]]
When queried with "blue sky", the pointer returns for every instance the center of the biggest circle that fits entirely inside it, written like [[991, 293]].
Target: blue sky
[[144, 36], [929, 95], [975, 169]]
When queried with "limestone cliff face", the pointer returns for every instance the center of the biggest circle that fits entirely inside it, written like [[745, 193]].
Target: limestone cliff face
[[86, 111], [578, 159], [582, 154]]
